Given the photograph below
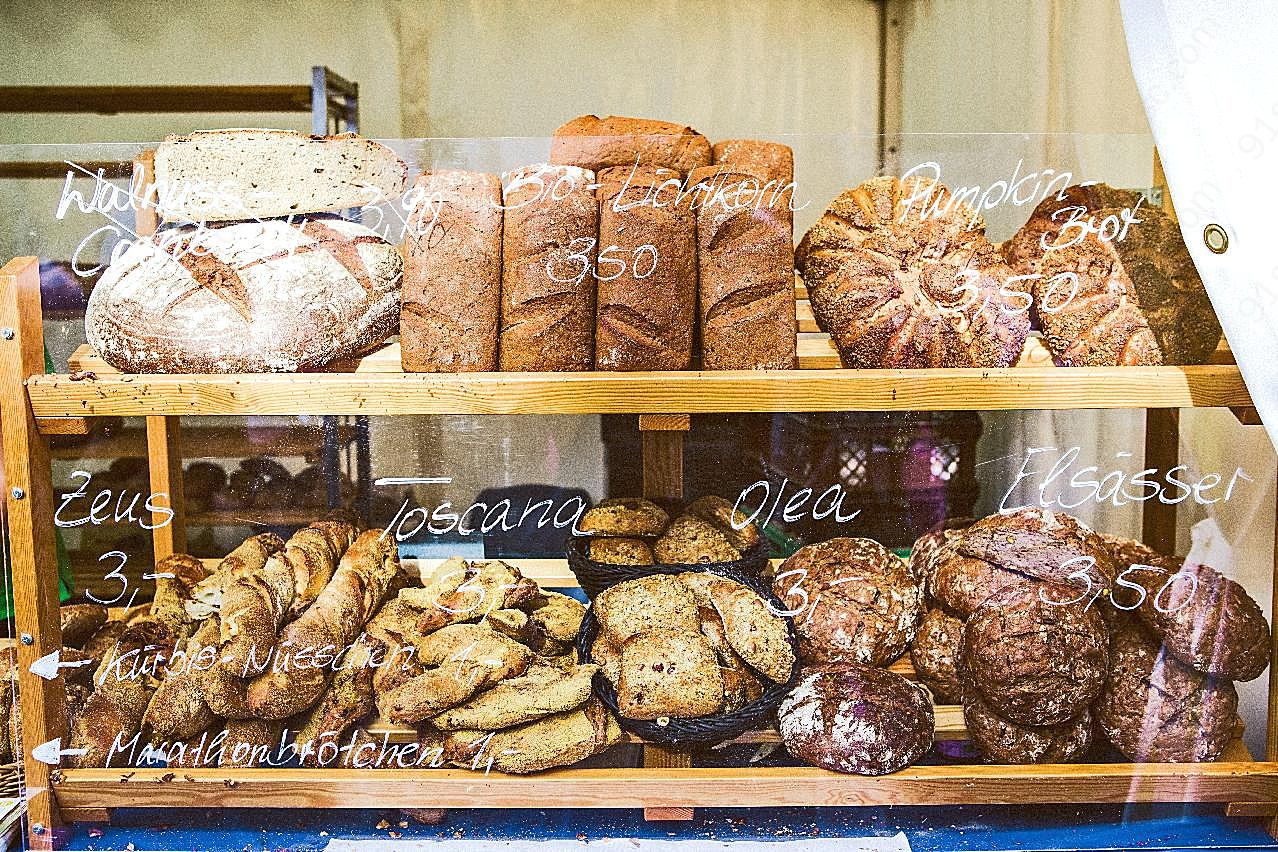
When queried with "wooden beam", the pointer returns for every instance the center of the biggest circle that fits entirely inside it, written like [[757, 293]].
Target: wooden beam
[[164, 459], [109, 100], [1162, 451], [33, 558]]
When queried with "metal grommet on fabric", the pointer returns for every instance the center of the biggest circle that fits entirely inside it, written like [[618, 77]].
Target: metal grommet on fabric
[[1216, 238]]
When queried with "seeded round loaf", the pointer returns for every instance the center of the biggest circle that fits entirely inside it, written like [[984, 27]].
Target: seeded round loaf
[[690, 541], [1154, 708], [853, 601], [900, 274], [719, 513], [624, 516], [654, 601], [935, 653], [857, 719], [1035, 662], [621, 551], [1000, 740], [1026, 249]]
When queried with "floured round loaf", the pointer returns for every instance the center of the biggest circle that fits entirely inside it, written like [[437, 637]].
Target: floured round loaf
[[858, 719], [226, 175], [251, 297], [1000, 740]]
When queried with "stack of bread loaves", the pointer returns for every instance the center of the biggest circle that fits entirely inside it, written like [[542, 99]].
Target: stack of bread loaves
[[605, 258], [635, 531], [254, 275]]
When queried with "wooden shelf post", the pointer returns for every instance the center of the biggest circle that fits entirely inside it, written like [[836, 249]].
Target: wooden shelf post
[[1162, 451], [164, 459], [662, 459], [33, 558]]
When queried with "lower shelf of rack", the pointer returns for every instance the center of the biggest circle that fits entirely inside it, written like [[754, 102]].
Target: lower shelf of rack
[[1226, 782]]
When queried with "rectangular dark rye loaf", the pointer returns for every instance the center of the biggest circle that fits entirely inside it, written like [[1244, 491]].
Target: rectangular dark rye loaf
[[771, 161], [647, 271], [596, 143], [548, 264], [452, 275], [745, 266]]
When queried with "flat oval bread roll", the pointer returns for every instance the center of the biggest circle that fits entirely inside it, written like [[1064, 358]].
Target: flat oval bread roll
[[251, 297], [541, 691]]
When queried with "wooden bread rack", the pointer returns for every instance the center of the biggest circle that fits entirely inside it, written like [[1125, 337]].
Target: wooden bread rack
[[665, 782]]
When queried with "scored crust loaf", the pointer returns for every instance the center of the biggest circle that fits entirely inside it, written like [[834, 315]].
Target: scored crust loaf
[[935, 653], [1002, 741], [548, 254], [1155, 709], [736, 526], [223, 175], [451, 299], [771, 161], [745, 269], [1139, 300], [655, 601], [648, 292], [252, 297], [621, 551], [900, 274], [853, 601], [624, 516], [690, 541], [595, 143], [558, 615], [1035, 662], [857, 719], [669, 672]]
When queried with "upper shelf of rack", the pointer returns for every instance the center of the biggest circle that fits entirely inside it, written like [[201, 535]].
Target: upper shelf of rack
[[375, 385]]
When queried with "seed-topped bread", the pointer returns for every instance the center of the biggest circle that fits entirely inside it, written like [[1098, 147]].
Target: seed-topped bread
[[655, 601], [669, 672], [690, 541], [624, 516]]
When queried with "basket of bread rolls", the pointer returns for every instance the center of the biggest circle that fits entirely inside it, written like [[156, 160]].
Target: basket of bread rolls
[[689, 655], [622, 538]]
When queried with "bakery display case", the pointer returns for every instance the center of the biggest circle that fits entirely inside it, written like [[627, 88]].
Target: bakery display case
[[982, 639]]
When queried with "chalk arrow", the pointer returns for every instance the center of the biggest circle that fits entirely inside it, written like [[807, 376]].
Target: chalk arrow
[[48, 665], [52, 751]]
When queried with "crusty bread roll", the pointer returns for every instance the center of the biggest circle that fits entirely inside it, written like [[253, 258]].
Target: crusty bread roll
[[548, 264], [270, 296], [224, 175], [596, 143], [745, 269], [452, 275], [647, 307]]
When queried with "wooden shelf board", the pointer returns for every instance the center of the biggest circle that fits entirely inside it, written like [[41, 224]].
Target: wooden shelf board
[[695, 787], [376, 387]]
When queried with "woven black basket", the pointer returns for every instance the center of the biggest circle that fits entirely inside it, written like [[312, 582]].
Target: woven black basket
[[594, 577], [703, 730]]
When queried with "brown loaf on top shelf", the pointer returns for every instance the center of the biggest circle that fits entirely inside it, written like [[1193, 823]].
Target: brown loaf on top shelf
[[647, 309], [1139, 299], [596, 143], [452, 275], [547, 294], [771, 161], [745, 270]]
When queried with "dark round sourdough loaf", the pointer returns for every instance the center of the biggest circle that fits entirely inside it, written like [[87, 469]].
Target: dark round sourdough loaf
[[900, 274], [270, 296], [853, 600], [857, 719], [1000, 740], [1033, 659], [1156, 709], [935, 653]]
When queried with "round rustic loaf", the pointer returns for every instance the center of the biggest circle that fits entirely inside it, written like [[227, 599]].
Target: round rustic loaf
[[1139, 299], [922, 559], [1000, 740], [935, 653], [854, 601], [900, 274], [1034, 661], [857, 719], [270, 296], [1154, 708]]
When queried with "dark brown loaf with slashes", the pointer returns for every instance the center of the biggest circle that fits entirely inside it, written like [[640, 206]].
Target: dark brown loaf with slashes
[[1139, 299], [853, 601], [595, 143], [897, 287], [1034, 661], [648, 290], [452, 274], [935, 653], [858, 719], [548, 261], [771, 161], [80, 621], [1203, 618], [745, 272], [1000, 740], [1155, 709]]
